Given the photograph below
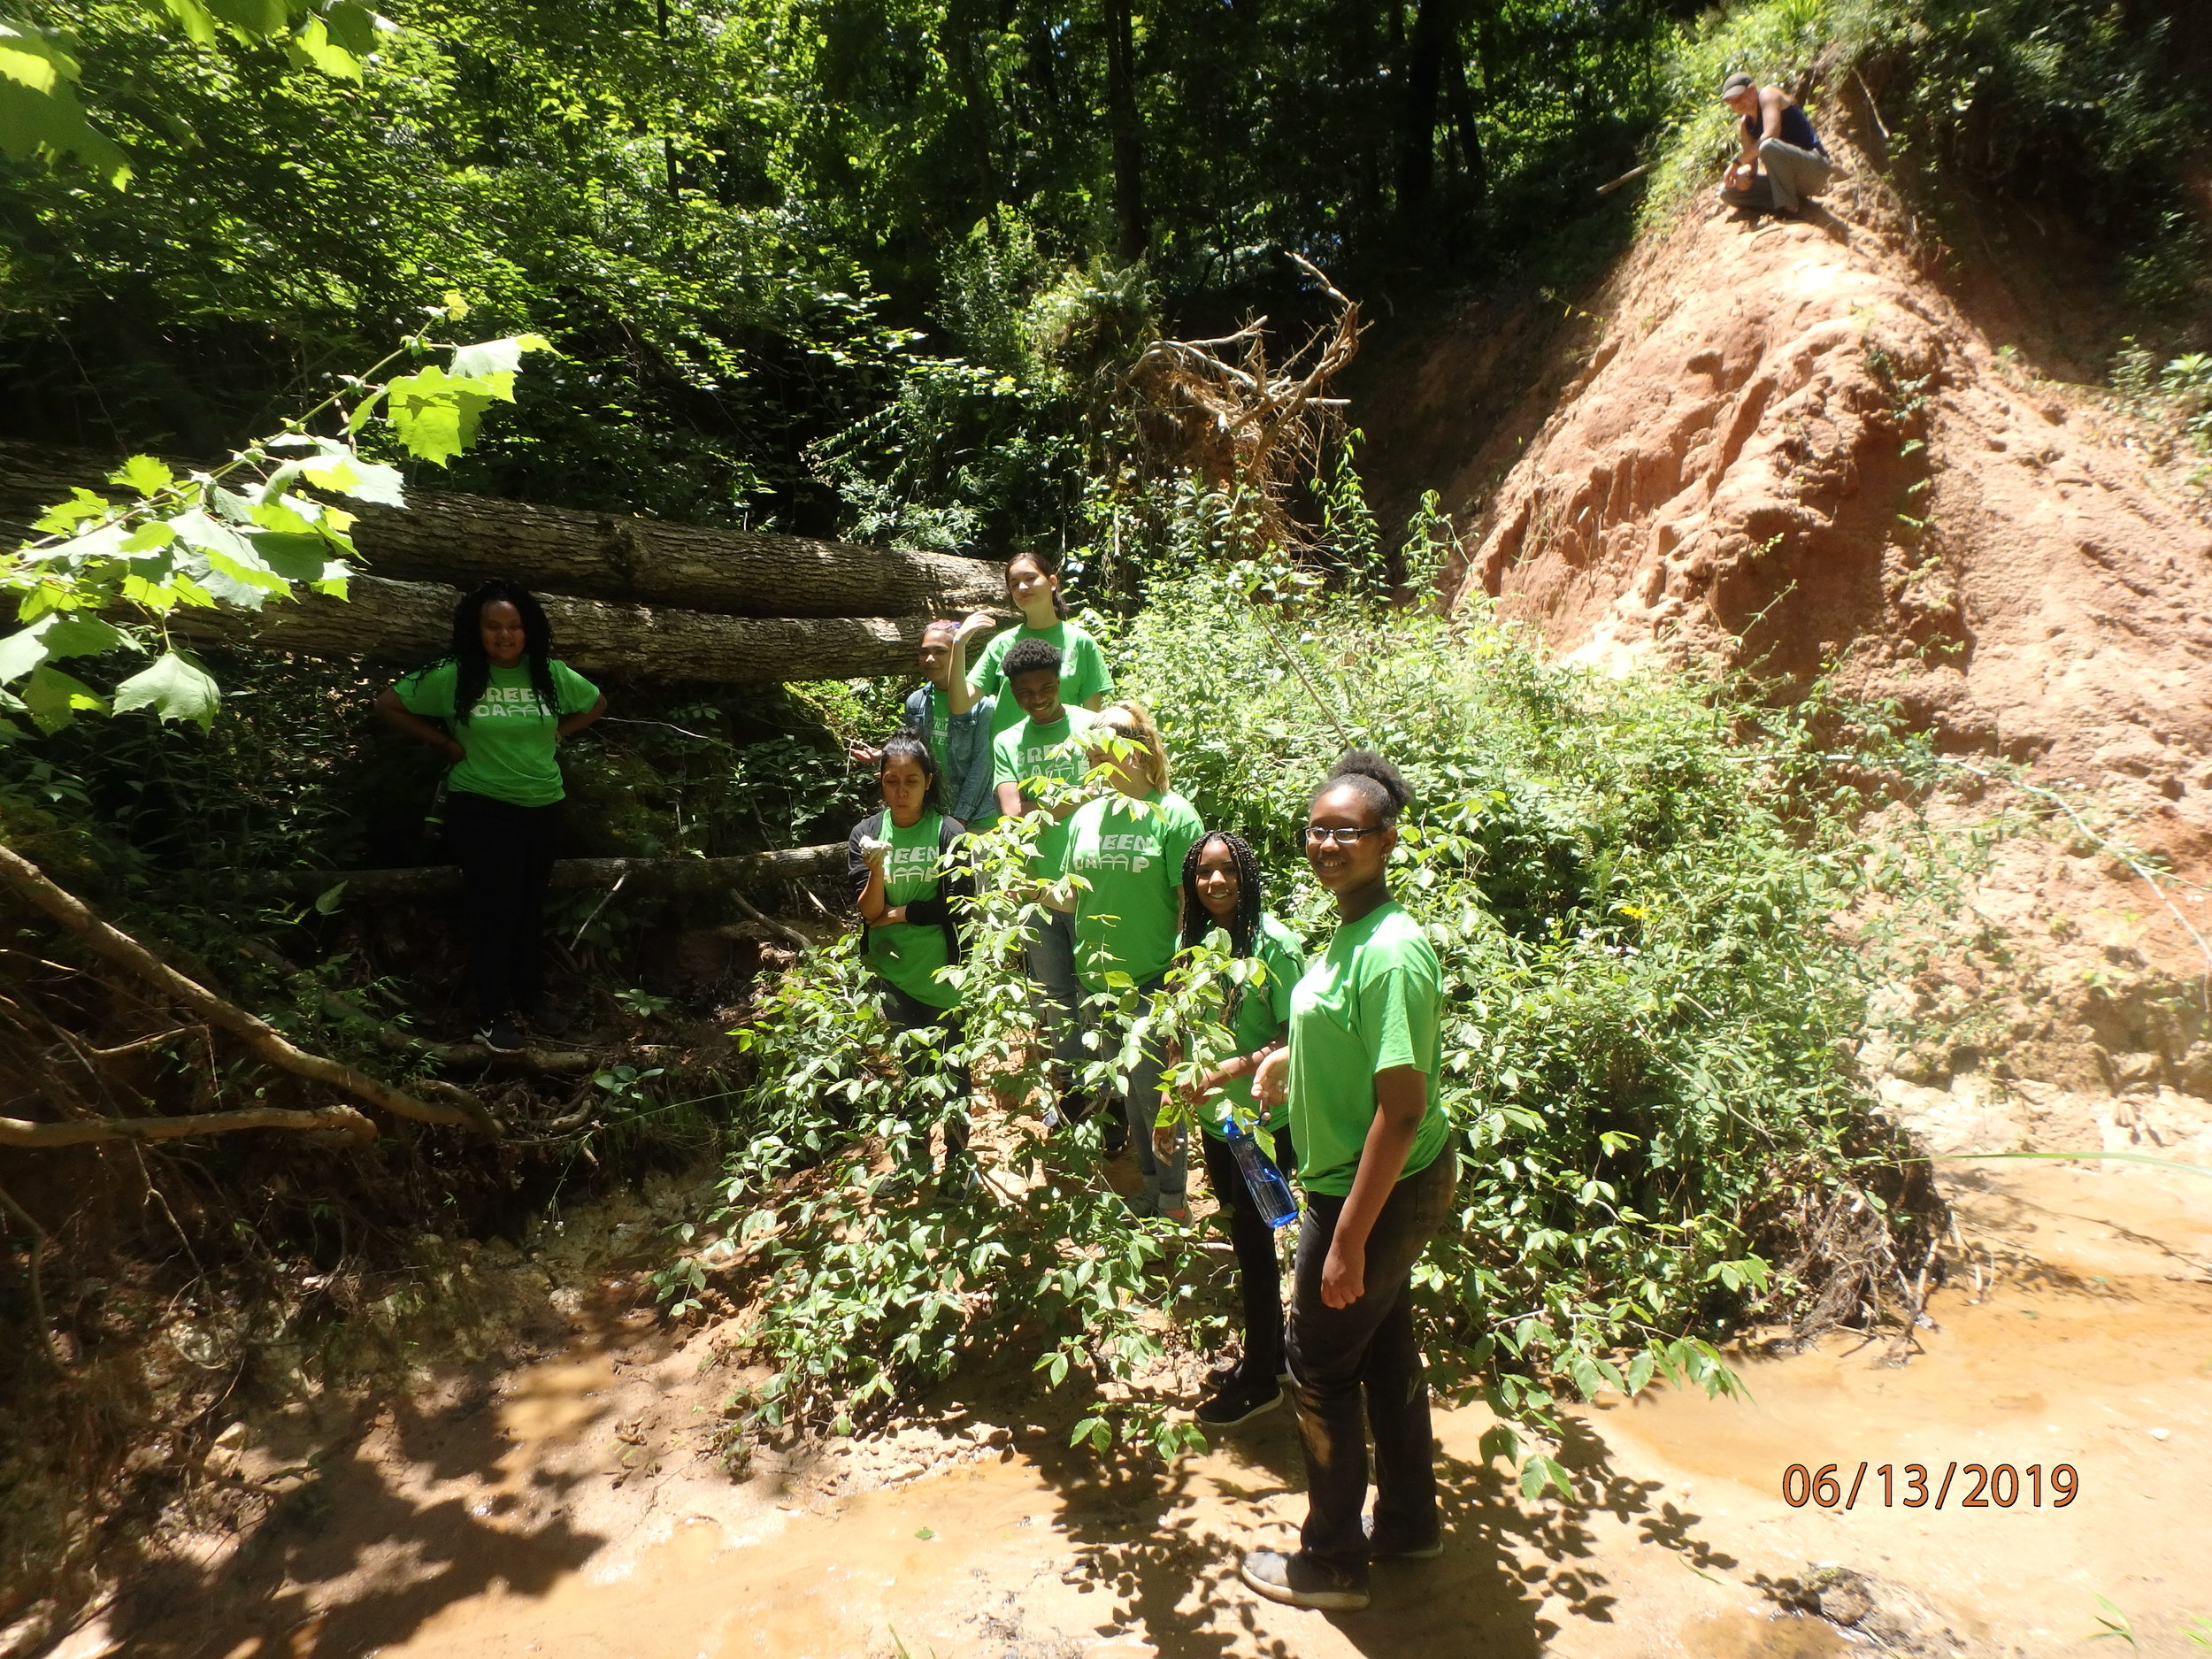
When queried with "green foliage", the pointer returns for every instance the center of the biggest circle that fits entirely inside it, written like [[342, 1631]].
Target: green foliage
[[2086, 109], [1631, 885], [236, 535]]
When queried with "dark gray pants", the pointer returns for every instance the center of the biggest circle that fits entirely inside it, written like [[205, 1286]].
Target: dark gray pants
[[1259, 1271], [1357, 1370], [907, 1012]]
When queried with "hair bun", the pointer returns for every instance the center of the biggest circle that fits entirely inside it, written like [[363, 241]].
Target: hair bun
[[1364, 762]]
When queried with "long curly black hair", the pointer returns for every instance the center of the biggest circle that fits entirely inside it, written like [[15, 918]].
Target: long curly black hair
[[1198, 921], [474, 669]]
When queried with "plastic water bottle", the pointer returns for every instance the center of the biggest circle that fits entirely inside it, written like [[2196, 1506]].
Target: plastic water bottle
[[1279, 1208]]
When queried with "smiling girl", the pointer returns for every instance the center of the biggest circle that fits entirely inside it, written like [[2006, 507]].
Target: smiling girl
[[1033, 583], [1361, 1078], [498, 707]]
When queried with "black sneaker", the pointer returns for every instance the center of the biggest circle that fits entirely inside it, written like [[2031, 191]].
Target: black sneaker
[[1225, 1375], [1238, 1403], [1303, 1580], [545, 1014], [1117, 1139], [1396, 1547], [503, 1036]]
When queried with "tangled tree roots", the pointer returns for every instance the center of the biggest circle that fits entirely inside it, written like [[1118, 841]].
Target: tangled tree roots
[[1216, 409]]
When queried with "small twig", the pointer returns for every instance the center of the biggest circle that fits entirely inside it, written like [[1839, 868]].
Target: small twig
[[596, 909], [39, 1242], [155, 1040], [1632, 174], [790, 935]]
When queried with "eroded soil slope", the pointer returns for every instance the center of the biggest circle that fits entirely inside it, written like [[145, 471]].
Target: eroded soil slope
[[1778, 445]]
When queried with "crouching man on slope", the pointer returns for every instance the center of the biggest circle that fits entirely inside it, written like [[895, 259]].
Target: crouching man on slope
[[1782, 161]]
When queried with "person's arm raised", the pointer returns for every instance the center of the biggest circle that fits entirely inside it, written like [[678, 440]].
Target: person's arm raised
[[960, 696], [398, 716]]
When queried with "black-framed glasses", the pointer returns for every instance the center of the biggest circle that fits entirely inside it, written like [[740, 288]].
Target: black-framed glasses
[[1324, 835]]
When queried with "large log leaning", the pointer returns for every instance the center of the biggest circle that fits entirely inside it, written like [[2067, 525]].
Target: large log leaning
[[643, 875], [446, 536], [412, 622]]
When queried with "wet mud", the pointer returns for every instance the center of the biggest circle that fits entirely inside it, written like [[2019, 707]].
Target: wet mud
[[577, 1508]]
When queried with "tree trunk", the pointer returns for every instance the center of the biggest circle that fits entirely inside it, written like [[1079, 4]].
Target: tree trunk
[[1435, 31], [1124, 124], [412, 622], [1461, 100], [448, 537]]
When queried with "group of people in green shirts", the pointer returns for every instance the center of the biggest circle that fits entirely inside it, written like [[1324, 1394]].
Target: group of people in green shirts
[[1337, 1055]]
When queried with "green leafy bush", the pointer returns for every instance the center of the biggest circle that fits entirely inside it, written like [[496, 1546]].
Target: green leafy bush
[[1632, 885]]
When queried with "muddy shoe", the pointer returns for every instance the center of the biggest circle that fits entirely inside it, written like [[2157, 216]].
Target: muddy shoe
[[1239, 1403], [503, 1036], [1303, 1580], [1391, 1545]]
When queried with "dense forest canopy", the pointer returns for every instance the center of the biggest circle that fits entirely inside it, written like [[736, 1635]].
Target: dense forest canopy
[[749, 225]]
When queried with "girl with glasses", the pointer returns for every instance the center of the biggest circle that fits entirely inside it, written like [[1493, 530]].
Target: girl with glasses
[[1360, 1076]]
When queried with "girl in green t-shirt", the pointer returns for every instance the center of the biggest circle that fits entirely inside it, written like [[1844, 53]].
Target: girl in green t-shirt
[[498, 707], [896, 859], [1128, 846], [1033, 583], [1361, 1078], [1222, 901]]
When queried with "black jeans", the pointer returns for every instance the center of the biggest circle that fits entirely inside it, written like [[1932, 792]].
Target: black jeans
[[1340, 1354], [907, 1012], [1259, 1271], [505, 853]]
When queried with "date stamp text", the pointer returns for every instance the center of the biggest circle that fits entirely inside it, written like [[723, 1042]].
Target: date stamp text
[[1905, 1485]]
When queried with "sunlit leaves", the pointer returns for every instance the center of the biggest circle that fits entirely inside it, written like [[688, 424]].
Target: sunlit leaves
[[174, 687], [41, 118], [240, 535]]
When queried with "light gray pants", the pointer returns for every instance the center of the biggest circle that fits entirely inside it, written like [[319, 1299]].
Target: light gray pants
[[1051, 952], [1793, 173]]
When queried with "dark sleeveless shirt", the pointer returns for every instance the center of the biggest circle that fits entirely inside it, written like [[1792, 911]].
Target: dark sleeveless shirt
[[1796, 129]]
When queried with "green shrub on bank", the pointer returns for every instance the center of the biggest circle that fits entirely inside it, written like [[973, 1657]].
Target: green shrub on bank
[[1647, 1038]]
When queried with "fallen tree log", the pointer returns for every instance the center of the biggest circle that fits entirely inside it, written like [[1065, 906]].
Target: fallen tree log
[[78, 1132], [412, 622], [265, 1039], [448, 537], [650, 875]]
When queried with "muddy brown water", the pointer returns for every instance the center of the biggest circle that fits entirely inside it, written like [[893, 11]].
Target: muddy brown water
[[539, 1517]]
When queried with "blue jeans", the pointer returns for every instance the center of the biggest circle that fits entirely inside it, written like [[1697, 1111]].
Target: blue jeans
[[1357, 1370]]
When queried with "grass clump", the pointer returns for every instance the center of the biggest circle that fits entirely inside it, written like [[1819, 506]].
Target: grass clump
[[1632, 885]]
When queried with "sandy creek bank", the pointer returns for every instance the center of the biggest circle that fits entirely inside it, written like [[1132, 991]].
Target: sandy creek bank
[[573, 1508]]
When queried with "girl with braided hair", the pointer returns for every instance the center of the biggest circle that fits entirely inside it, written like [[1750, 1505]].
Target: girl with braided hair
[[498, 707], [1222, 898]]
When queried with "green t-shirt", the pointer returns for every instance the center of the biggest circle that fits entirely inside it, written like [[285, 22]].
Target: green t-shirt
[[508, 739], [1132, 853], [1261, 1010], [1370, 1003], [1083, 670], [1027, 750], [909, 954]]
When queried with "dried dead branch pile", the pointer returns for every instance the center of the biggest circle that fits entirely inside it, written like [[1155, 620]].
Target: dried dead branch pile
[[1218, 409]]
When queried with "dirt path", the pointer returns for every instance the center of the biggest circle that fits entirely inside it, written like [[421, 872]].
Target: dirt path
[[575, 1508]]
